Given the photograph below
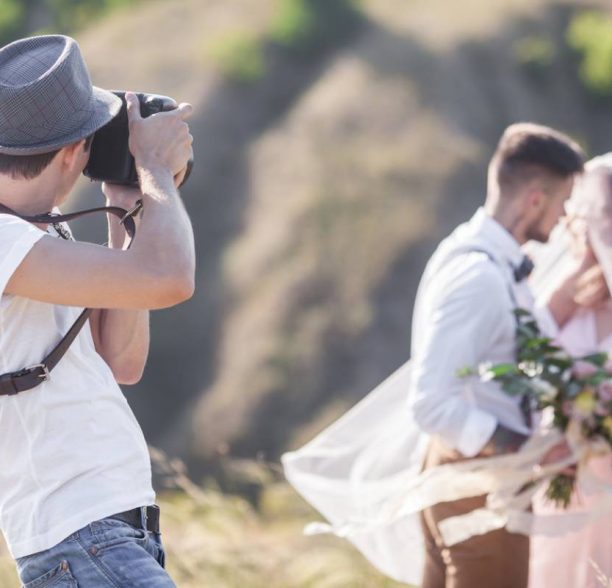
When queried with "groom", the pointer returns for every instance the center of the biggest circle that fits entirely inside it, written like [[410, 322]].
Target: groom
[[463, 317]]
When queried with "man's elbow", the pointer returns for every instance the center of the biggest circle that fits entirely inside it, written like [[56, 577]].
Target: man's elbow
[[181, 289], [172, 290], [128, 373]]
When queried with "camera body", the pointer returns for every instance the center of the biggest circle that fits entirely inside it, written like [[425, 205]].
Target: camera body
[[110, 159]]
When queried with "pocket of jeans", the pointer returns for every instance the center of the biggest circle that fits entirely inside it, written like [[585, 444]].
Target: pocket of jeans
[[109, 532], [59, 577]]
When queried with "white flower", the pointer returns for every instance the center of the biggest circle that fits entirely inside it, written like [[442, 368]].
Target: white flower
[[485, 371], [531, 368]]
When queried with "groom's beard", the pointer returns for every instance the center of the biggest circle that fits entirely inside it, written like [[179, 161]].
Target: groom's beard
[[534, 232]]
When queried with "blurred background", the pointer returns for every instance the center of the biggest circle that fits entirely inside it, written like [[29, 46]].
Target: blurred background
[[336, 141]]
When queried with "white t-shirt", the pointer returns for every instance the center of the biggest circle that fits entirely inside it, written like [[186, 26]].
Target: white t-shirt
[[71, 450]]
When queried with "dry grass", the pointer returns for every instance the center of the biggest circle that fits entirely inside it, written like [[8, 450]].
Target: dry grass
[[217, 540], [230, 545]]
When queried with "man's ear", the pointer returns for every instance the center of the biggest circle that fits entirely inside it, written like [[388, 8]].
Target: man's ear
[[70, 154], [535, 197]]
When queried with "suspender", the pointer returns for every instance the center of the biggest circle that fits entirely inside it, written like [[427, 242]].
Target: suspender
[[29, 377], [476, 249], [525, 402]]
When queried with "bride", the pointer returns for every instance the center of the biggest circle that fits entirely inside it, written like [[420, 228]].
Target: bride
[[355, 473], [582, 558]]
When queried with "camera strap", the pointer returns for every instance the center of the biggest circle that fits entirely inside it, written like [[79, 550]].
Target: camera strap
[[27, 378]]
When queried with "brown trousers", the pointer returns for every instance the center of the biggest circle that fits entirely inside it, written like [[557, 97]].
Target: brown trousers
[[494, 560]]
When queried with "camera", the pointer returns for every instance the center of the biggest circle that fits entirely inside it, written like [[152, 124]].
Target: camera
[[110, 159]]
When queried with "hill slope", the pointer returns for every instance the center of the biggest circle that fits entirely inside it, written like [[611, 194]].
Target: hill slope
[[318, 193]]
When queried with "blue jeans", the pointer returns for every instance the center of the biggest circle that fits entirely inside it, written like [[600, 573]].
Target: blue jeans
[[108, 553]]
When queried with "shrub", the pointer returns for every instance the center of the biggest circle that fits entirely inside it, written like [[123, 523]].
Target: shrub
[[309, 25], [12, 17], [239, 56], [70, 15], [590, 34], [294, 24], [534, 54]]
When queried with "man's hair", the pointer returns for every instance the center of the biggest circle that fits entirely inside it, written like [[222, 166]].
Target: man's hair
[[28, 167], [527, 151]]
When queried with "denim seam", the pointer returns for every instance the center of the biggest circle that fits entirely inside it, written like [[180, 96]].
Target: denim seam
[[97, 563]]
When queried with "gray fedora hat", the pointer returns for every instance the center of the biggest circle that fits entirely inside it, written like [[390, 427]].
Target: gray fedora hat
[[47, 100]]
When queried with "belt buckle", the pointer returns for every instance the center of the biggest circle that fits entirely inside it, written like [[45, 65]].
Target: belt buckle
[[45, 375], [143, 518], [153, 518]]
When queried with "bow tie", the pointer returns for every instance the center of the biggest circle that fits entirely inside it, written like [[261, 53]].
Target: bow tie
[[523, 270]]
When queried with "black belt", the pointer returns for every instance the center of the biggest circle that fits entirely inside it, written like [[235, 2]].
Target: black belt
[[143, 517]]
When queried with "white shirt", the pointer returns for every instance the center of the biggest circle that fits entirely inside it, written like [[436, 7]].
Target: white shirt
[[463, 318], [71, 450]]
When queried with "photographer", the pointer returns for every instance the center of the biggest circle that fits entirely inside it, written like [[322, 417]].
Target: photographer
[[76, 499]]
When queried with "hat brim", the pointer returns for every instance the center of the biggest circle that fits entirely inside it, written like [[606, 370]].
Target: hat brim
[[105, 106]]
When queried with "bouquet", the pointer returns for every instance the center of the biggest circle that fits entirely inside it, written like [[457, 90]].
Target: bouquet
[[577, 392]]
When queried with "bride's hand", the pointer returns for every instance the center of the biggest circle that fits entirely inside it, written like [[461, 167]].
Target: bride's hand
[[591, 288], [577, 287], [579, 237]]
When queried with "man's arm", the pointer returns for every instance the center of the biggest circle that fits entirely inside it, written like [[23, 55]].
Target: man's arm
[[158, 270], [466, 309], [121, 337]]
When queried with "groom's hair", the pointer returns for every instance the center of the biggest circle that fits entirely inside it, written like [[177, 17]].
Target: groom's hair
[[527, 151]]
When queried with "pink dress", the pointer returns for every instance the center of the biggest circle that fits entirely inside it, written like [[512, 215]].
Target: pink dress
[[581, 559]]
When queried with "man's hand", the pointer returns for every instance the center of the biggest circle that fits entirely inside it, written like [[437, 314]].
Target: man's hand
[[161, 141], [502, 442], [557, 453]]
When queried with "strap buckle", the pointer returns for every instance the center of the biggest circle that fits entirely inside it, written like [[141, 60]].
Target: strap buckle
[[25, 379], [132, 212], [45, 375]]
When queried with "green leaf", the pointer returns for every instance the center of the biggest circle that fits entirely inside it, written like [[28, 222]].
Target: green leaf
[[560, 490], [559, 362], [598, 359], [527, 332], [517, 387], [503, 369], [538, 342], [465, 372]]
